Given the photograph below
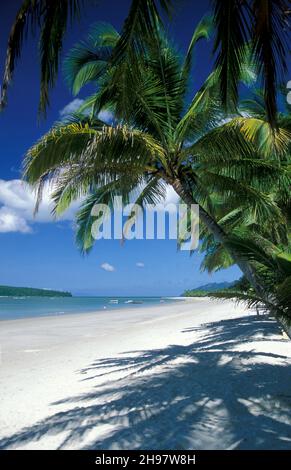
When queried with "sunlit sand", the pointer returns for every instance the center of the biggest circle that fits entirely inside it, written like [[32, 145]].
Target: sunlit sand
[[192, 374]]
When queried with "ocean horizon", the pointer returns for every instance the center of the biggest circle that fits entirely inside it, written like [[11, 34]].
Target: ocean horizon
[[13, 308]]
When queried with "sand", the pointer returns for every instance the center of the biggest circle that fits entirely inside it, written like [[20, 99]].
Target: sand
[[194, 374]]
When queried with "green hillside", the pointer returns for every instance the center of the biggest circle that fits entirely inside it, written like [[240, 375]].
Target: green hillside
[[31, 292], [204, 290]]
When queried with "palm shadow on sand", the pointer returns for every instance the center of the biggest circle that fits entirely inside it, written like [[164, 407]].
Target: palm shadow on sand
[[208, 394]]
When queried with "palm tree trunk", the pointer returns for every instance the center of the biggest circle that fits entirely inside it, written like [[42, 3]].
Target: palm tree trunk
[[182, 189]]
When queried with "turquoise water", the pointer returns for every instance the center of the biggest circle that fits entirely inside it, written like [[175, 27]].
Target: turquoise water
[[12, 308]]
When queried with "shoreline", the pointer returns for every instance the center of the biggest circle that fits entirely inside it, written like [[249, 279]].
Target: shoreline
[[151, 377], [79, 313], [108, 307]]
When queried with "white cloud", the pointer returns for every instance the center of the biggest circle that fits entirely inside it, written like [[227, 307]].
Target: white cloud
[[107, 267], [171, 196], [140, 265], [11, 222], [72, 107], [106, 116], [17, 202]]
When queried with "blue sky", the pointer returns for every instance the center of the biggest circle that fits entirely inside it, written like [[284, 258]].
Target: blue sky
[[42, 252]]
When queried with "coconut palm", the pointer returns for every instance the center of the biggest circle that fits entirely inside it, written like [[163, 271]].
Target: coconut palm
[[265, 23], [51, 18], [266, 245], [155, 139], [274, 267], [241, 222]]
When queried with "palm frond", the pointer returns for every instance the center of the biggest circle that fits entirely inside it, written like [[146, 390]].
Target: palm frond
[[51, 17], [84, 218], [250, 299], [203, 30], [271, 48], [84, 222], [55, 15], [29, 11], [88, 60], [216, 259], [164, 63], [203, 113], [76, 155], [105, 194], [77, 142], [141, 25], [225, 140], [261, 203], [231, 35], [154, 100], [284, 292], [151, 191], [251, 249], [269, 142]]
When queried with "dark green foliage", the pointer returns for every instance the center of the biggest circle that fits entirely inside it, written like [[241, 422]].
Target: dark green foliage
[[51, 17], [266, 25], [204, 290], [8, 291], [274, 268]]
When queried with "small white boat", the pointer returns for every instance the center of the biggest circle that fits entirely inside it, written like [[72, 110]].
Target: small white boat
[[113, 301]]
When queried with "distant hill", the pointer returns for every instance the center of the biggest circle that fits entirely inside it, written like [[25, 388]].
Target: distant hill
[[8, 291], [201, 291]]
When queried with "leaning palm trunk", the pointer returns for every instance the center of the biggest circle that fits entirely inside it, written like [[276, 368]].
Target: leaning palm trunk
[[274, 266], [220, 236]]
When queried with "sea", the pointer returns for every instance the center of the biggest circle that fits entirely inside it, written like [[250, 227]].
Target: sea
[[13, 308]]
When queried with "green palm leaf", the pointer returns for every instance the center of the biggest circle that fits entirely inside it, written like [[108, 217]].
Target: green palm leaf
[[52, 18], [271, 48], [203, 30], [231, 36], [141, 25], [89, 59]]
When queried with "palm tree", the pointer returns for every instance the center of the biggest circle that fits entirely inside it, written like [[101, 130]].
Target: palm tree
[[264, 23], [266, 244], [274, 267], [237, 220], [156, 139], [51, 17]]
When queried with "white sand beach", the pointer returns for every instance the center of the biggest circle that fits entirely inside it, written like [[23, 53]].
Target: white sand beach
[[193, 374]]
